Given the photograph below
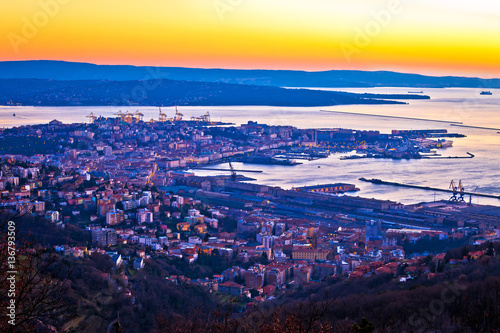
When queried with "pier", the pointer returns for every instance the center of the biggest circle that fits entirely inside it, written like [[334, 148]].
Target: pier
[[415, 157], [470, 155], [428, 188], [228, 170], [477, 127], [297, 156], [394, 117]]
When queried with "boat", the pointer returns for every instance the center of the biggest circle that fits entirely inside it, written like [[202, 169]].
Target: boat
[[415, 92], [486, 93], [14, 115], [442, 143]]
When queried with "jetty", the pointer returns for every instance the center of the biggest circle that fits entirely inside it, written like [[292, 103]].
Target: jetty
[[428, 188], [394, 117], [477, 127], [228, 170], [470, 155]]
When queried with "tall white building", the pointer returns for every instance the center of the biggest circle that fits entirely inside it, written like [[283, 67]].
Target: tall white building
[[144, 216]]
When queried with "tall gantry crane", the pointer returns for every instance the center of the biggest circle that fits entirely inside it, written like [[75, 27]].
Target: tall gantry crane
[[458, 191], [138, 116], [162, 117], [233, 173], [128, 117], [120, 114], [178, 115], [204, 118], [91, 117], [455, 191], [462, 191]]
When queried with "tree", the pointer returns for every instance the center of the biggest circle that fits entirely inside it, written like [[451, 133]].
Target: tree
[[440, 267], [364, 327], [490, 251], [40, 280], [432, 267], [264, 260], [464, 252], [401, 269], [306, 318], [447, 257], [254, 293]]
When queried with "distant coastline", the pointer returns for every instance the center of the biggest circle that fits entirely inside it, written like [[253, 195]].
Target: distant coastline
[[39, 92]]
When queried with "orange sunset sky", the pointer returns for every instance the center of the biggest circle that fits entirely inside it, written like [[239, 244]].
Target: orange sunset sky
[[439, 37]]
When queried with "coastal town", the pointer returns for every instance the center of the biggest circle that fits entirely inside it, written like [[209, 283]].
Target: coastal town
[[233, 166], [131, 187]]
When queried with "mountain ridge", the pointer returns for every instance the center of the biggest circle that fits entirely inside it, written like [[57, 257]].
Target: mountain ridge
[[63, 70]]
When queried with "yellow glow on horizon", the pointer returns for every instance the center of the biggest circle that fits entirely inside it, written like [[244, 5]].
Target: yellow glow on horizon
[[442, 38]]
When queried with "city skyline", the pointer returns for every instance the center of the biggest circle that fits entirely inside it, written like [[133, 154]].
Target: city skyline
[[445, 38]]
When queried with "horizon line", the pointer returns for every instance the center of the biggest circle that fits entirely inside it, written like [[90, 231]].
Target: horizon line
[[254, 69]]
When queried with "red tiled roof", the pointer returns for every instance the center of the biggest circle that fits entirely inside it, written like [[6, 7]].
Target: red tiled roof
[[230, 284]]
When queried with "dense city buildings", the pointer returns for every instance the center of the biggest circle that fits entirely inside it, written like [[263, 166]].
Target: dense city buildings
[[131, 187]]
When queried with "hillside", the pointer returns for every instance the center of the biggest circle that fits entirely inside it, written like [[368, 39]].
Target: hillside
[[59, 70], [164, 92]]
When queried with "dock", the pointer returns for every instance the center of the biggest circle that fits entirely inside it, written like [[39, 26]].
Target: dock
[[429, 157], [297, 156], [428, 188], [228, 170], [394, 117], [470, 155], [477, 127]]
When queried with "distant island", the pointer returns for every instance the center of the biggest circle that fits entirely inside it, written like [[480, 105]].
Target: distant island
[[162, 92], [60, 70]]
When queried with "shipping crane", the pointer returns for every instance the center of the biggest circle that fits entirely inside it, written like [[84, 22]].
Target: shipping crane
[[178, 115], [91, 117], [138, 116], [233, 173], [462, 191], [455, 190], [163, 117], [204, 118], [120, 114], [458, 192], [128, 117]]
